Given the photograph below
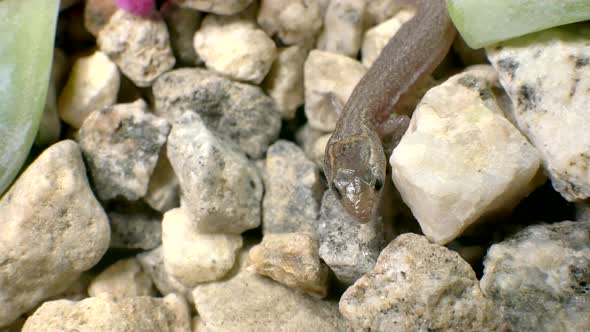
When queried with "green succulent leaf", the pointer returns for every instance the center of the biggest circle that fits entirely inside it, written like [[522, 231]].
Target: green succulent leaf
[[485, 22], [27, 30]]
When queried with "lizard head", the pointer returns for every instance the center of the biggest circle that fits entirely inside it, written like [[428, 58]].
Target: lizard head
[[355, 170]]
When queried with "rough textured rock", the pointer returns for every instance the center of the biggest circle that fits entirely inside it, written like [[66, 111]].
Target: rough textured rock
[[343, 27], [220, 7], [294, 22], [182, 24], [238, 111], [348, 247], [221, 187], [121, 145], [377, 37], [92, 85], [249, 302], [379, 11], [329, 79], [164, 190], [139, 46], [152, 263], [293, 260], [417, 286], [50, 125], [99, 314], [284, 83], [293, 191], [461, 160], [235, 47], [192, 257], [134, 226], [53, 228], [97, 14], [540, 277], [306, 137], [123, 279], [547, 76]]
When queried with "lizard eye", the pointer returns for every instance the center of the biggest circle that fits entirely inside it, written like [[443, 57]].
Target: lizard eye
[[336, 191], [378, 184]]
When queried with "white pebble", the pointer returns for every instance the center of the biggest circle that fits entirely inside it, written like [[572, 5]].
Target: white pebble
[[377, 37], [343, 27], [293, 21], [125, 278]]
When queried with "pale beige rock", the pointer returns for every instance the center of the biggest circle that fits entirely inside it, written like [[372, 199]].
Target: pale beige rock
[[343, 27], [235, 47], [152, 263], [547, 76], [293, 260], [125, 278], [192, 257], [105, 315], [50, 125], [294, 22], [284, 83], [163, 191], [328, 76], [377, 37], [461, 159], [93, 84], [419, 286], [53, 228], [139, 46], [220, 7], [379, 11]]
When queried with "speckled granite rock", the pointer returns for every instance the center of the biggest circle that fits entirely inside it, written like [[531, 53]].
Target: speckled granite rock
[[182, 24], [547, 76], [343, 27], [134, 226], [192, 257], [152, 263], [92, 85], [294, 22], [461, 159], [102, 315], [284, 82], [221, 187], [293, 260], [348, 247], [97, 14], [238, 111], [377, 37], [121, 145], [235, 47], [221, 7], [164, 190], [417, 286], [139, 46], [540, 277], [125, 278], [53, 229], [326, 76], [293, 191], [249, 302]]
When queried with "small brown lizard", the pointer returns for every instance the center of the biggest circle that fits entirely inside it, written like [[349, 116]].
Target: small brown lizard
[[355, 161]]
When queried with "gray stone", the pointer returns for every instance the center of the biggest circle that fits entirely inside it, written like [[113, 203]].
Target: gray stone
[[348, 247], [53, 228], [139, 46], [220, 186], [152, 262], [540, 277], [121, 145], [419, 286], [101, 314], [182, 24], [125, 278], [343, 27], [220, 7], [249, 302], [293, 260], [134, 226], [294, 22], [293, 190], [238, 111], [547, 76]]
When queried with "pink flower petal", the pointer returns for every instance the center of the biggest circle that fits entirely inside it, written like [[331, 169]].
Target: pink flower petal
[[138, 7]]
